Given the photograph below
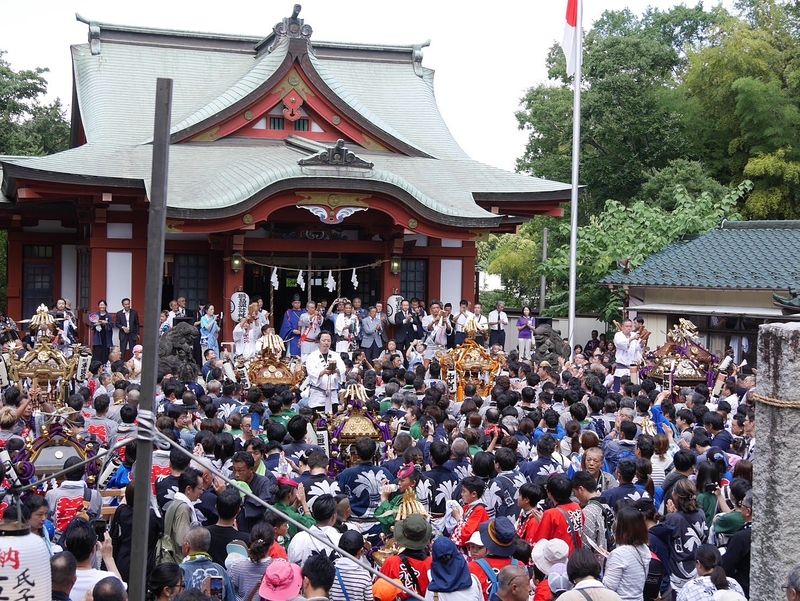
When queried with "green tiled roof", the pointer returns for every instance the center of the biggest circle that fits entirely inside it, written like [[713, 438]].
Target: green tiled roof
[[757, 255], [116, 90], [386, 85], [221, 175]]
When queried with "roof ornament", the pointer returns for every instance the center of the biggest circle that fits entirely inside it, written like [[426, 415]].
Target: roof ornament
[[416, 56], [94, 34], [290, 27], [335, 156]]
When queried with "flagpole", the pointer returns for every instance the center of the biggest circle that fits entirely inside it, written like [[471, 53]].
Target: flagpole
[[576, 148]]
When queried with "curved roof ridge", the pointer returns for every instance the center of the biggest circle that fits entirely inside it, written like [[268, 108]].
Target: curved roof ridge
[[352, 100], [236, 37], [264, 67]]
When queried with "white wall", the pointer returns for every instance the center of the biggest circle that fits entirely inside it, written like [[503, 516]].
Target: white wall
[[450, 281], [69, 272], [119, 231], [119, 272]]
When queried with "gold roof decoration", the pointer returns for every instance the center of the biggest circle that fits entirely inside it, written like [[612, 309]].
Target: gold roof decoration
[[681, 359], [410, 505], [473, 364], [272, 343], [270, 369], [354, 422], [47, 369], [43, 321]]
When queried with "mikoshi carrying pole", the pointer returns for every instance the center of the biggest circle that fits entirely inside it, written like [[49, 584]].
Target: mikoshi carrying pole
[[156, 222]]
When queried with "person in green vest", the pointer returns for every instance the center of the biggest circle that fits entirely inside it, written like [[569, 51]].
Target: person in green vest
[[290, 495], [279, 412], [392, 495], [413, 415]]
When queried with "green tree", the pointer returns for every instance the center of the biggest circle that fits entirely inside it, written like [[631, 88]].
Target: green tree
[[660, 185], [741, 99], [514, 257], [628, 235], [28, 127], [628, 125]]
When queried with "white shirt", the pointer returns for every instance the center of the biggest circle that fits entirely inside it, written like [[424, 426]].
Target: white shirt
[[498, 320], [346, 325], [439, 323], [627, 350], [302, 544], [462, 319], [85, 581], [245, 340], [324, 387]]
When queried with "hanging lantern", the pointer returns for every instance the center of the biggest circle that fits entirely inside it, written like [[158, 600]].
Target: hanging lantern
[[24, 563]]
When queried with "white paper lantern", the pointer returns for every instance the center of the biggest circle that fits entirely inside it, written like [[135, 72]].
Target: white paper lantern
[[24, 564]]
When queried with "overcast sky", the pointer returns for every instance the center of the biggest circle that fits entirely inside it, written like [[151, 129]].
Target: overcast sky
[[485, 54]]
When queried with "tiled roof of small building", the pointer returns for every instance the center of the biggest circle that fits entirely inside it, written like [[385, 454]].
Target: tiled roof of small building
[[757, 255]]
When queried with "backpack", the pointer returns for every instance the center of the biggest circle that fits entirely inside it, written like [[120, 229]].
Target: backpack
[[487, 569], [652, 581], [609, 523], [165, 547]]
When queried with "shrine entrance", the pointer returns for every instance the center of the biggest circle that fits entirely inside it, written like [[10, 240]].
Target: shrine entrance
[[315, 266]]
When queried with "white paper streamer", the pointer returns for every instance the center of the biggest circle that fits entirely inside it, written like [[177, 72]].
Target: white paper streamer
[[301, 281], [354, 279], [330, 283], [274, 278]]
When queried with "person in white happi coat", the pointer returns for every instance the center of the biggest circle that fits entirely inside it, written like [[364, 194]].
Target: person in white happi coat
[[325, 370], [347, 328], [437, 327], [309, 324], [627, 343], [245, 337]]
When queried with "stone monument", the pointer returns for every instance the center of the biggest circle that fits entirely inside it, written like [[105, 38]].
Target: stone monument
[[776, 516]]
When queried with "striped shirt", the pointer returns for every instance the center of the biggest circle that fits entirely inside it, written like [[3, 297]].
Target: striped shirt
[[356, 580], [245, 575]]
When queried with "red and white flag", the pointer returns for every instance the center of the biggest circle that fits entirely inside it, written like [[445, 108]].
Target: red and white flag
[[569, 44]]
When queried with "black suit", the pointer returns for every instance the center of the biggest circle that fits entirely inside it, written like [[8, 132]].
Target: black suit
[[131, 339], [405, 332]]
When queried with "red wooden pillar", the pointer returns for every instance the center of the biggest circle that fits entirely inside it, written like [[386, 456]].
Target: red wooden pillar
[[98, 243], [434, 271], [139, 271], [232, 281], [468, 272], [14, 275], [98, 272], [390, 282]]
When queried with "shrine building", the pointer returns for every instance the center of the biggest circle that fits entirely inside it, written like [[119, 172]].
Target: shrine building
[[285, 151]]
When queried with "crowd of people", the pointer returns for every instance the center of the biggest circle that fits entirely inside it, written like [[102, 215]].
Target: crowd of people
[[574, 480]]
